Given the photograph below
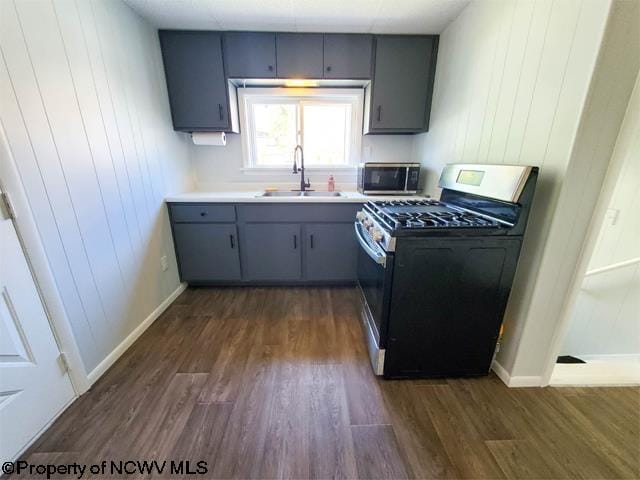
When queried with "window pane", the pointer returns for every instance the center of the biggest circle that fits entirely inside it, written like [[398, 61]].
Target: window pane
[[326, 133], [275, 133]]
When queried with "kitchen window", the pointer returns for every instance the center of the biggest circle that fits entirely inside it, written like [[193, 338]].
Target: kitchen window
[[326, 122]]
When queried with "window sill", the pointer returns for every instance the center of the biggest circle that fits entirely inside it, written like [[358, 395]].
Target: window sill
[[280, 171]]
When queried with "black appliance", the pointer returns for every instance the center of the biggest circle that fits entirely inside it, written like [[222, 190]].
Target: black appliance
[[435, 275], [388, 178]]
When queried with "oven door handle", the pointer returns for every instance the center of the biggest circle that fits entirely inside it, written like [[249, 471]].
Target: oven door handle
[[375, 253]]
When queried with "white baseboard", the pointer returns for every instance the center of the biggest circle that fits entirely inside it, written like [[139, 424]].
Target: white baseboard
[[115, 354], [611, 372], [500, 372], [515, 381], [525, 381], [612, 357]]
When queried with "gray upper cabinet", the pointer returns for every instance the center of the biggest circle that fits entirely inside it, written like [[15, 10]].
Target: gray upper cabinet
[[271, 251], [207, 252], [250, 54], [331, 252], [401, 69], [347, 56], [399, 99], [198, 92], [299, 55]]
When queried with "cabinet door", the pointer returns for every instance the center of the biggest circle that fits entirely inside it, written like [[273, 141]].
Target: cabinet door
[[272, 251], [347, 56], [207, 251], [195, 80], [250, 54], [332, 252], [400, 100], [299, 55]]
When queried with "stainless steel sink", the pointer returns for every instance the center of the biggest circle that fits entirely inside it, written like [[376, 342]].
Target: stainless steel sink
[[300, 194], [322, 194], [280, 194]]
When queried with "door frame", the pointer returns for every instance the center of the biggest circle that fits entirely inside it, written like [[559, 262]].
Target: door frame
[[35, 255], [629, 123]]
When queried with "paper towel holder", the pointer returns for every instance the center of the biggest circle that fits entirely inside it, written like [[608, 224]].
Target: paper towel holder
[[217, 139]]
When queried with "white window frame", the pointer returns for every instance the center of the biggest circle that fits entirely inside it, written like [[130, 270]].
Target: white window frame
[[247, 96]]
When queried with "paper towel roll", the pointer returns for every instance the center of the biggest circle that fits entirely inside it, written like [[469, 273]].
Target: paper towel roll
[[209, 138]]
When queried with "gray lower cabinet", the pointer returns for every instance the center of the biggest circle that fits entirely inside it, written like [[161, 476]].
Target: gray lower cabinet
[[265, 243], [207, 252], [399, 98], [331, 252], [271, 251]]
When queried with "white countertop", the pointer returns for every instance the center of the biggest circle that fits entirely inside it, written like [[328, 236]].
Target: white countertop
[[255, 197]]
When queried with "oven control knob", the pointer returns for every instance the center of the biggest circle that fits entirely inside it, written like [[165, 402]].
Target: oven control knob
[[376, 234], [361, 215]]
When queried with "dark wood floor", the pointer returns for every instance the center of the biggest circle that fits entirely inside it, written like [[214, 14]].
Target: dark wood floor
[[275, 382]]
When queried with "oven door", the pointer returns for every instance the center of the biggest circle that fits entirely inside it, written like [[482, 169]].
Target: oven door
[[384, 179], [375, 268]]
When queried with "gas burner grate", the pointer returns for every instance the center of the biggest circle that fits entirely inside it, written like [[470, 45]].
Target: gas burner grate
[[411, 219], [426, 202]]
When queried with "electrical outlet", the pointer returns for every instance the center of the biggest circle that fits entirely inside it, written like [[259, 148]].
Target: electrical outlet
[[163, 263]]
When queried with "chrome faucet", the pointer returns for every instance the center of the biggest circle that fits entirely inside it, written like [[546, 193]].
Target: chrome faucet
[[303, 185]]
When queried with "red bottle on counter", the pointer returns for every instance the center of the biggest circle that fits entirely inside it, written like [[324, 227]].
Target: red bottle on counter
[[331, 185]]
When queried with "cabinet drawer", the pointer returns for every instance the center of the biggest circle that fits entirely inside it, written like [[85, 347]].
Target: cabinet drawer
[[299, 213], [202, 213]]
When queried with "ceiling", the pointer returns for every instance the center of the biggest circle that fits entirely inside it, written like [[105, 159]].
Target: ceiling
[[357, 16]]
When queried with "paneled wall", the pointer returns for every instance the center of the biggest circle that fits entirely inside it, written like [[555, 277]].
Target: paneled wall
[[605, 319], [619, 237], [512, 85], [84, 108]]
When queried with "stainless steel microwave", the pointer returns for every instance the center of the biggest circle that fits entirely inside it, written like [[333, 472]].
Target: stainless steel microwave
[[388, 178]]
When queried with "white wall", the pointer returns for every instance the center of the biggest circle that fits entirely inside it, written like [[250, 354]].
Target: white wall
[[219, 168], [619, 237], [84, 108], [605, 319], [511, 84]]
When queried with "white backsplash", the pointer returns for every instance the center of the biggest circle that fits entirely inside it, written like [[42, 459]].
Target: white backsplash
[[220, 168]]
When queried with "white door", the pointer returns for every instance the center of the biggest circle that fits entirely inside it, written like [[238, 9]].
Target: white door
[[34, 385]]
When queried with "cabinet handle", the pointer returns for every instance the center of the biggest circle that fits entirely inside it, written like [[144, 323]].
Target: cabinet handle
[[329, 68], [220, 111], [270, 68], [231, 241], [379, 112], [295, 241], [203, 214], [311, 238]]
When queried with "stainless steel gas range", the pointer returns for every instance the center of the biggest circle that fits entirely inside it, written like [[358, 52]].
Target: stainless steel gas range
[[435, 275]]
